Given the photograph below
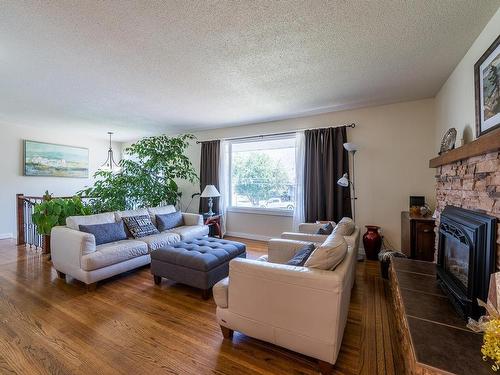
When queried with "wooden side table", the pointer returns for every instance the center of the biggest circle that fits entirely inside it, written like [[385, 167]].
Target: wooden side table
[[214, 221], [417, 236]]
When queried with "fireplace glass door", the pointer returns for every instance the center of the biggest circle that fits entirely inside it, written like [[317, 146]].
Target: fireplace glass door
[[456, 260]]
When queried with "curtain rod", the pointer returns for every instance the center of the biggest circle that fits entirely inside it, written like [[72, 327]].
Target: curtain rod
[[353, 125]]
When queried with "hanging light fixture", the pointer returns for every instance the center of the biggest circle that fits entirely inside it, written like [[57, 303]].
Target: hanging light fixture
[[110, 164]]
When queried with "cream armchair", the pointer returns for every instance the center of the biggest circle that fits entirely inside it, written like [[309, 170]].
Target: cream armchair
[[299, 308], [307, 232]]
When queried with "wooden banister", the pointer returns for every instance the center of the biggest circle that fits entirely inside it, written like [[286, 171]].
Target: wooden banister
[[27, 233], [20, 219]]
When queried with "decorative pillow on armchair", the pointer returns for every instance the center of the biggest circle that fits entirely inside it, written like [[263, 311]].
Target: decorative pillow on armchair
[[169, 221], [140, 226], [301, 256], [325, 229]]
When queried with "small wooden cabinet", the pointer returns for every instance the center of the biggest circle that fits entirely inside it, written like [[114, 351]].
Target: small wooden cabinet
[[417, 236]]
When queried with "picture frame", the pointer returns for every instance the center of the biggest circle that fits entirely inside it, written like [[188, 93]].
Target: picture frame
[[41, 159], [487, 89]]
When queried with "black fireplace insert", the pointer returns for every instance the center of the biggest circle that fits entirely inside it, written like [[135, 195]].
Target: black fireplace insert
[[466, 257]]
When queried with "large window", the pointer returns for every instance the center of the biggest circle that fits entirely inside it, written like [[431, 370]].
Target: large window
[[263, 174]]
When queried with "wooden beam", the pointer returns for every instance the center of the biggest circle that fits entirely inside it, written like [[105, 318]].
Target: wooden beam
[[487, 143]]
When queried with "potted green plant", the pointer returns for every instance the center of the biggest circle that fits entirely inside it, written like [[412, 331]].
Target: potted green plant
[[52, 212]]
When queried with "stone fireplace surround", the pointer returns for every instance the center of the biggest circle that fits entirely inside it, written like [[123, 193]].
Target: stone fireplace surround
[[472, 183]]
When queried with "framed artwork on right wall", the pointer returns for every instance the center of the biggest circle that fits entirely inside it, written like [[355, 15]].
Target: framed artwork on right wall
[[487, 89]]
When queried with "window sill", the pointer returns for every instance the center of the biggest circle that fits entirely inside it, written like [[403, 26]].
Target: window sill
[[261, 211]]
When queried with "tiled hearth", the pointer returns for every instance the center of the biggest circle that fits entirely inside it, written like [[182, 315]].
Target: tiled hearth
[[472, 183]]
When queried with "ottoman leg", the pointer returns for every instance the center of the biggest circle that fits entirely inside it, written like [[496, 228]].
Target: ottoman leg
[[157, 279], [205, 293]]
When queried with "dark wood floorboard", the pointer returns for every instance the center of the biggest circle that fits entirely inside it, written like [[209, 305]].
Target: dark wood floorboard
[[130, 326]]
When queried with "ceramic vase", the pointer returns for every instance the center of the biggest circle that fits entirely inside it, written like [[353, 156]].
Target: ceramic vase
[[372, 241]]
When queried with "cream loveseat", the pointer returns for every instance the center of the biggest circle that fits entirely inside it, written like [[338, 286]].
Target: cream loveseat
[[75, 253], [299, 308]]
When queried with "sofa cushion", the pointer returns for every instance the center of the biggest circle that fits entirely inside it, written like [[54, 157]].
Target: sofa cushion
[[188, 232], [153, 211], [155, 241], [325, 229], [301, 256], [169, 221], [105, 233], [140, 226], [329, 254], [74, 222], [113, 253], [345, 226]]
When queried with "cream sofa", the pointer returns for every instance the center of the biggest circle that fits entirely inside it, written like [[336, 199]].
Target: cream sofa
[[301, 309], [75, 253]]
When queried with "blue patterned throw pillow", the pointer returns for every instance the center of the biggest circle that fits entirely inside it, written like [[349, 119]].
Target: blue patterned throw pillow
[[301, 256], [105, 233], [169, 221], [325, 229], [140, 226]]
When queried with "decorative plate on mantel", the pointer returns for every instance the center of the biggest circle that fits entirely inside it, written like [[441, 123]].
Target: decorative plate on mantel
[[448, 142]]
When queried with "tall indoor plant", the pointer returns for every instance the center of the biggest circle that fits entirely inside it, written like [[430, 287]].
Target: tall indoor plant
[[147, 175]]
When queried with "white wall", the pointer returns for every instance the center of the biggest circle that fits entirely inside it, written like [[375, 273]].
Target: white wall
[[12, 180], [455, 105], [396, 143]]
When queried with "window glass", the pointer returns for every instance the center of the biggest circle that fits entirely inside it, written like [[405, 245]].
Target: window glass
[[263, 173]]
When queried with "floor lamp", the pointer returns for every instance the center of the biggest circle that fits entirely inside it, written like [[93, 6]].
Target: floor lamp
[[344, 181]]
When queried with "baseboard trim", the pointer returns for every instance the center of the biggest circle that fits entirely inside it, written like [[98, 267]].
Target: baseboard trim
[[249, 236], [5, 236]]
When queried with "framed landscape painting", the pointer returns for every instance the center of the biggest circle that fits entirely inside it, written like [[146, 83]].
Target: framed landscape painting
[[52, 160], [487, 89]]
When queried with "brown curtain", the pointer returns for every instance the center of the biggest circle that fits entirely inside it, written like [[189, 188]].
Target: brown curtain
[[326, 161], [209, 172]]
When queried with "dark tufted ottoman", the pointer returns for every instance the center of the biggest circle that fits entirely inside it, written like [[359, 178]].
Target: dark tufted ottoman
[[200, 262]]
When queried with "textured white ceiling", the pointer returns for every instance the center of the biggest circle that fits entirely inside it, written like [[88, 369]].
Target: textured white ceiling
[[142, 67]]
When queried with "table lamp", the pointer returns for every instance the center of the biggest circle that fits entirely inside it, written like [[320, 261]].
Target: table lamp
[[210, 192]]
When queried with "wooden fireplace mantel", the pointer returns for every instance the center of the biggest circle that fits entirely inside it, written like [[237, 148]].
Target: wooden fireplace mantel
[[487, 143]]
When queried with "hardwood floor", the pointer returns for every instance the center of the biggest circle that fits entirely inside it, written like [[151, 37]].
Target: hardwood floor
[[131, 326]]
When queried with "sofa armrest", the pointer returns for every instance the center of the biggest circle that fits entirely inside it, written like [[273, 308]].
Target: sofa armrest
[[67, 246], [353, 239], [316, 238], [282, 250], [192, 219], [310, 228], [220, 293]]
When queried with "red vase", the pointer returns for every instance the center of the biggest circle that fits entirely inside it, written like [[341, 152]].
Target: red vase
[[372, 242]]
